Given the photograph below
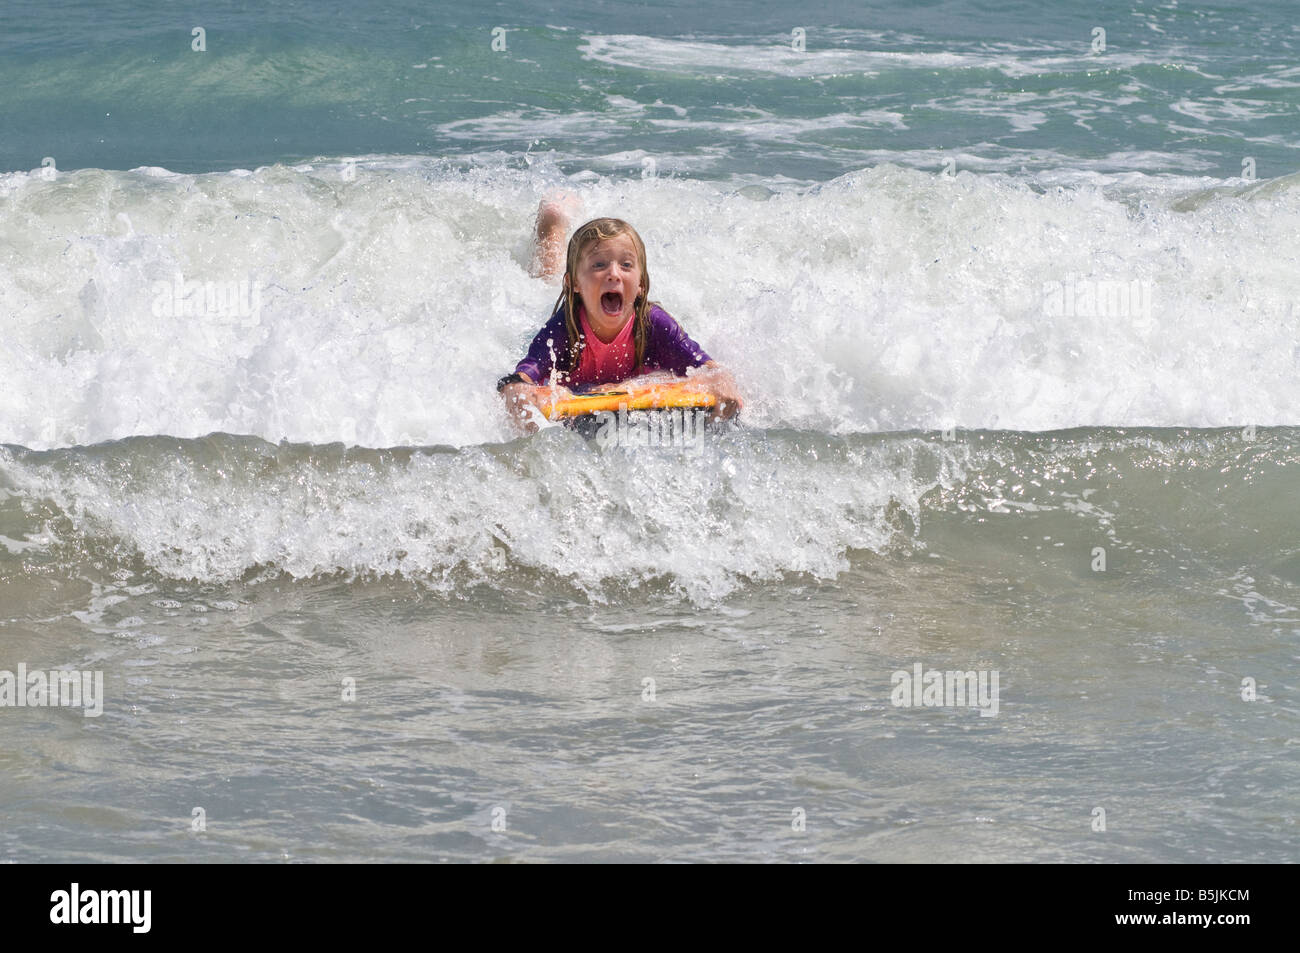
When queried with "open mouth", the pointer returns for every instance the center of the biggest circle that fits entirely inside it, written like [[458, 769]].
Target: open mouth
[[611, 302]]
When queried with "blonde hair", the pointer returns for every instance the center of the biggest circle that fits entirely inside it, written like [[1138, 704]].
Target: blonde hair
[[599, 230]]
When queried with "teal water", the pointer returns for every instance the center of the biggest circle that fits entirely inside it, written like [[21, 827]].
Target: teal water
[[705, 90]]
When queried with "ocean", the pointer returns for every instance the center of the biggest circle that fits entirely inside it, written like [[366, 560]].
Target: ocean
[[1000, 563]]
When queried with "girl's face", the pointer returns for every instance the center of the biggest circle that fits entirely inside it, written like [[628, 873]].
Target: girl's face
[[609, 280]]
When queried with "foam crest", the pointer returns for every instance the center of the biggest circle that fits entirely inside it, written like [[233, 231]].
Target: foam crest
[[750, 507], [557, 516], [376, 302], [778, 57]]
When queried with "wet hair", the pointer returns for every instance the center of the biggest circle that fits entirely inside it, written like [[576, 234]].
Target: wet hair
[[599, 230]]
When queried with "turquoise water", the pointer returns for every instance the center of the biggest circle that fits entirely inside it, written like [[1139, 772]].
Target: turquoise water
[[1015, 324], [706, 90]]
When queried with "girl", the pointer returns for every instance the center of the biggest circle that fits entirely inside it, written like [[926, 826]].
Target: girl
[[604, 328]]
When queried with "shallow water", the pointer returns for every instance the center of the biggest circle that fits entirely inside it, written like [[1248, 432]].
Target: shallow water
[[521, 686]]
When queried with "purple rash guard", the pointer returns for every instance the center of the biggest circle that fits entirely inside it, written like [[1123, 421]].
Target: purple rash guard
[[667, 348]]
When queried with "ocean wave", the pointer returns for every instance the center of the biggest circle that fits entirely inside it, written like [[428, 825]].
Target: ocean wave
[[375, 302], [745, 507]]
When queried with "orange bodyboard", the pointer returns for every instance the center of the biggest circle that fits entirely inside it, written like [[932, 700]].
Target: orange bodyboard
[[634, 394]]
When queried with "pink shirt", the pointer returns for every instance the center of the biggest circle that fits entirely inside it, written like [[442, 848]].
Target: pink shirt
[[667, 348], [603, 363]]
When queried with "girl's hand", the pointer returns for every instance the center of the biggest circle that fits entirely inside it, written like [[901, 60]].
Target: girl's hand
[[719, 382], [525, 401]]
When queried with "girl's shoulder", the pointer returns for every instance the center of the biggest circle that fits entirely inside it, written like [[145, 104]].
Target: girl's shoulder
[[659, 317]]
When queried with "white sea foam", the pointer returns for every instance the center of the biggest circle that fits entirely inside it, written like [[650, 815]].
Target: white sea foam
[[1217, 111], [830, 57], [746, 508], [888, 299]]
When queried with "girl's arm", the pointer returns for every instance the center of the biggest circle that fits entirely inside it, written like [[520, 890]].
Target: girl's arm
[[536, 366], [719, 382], [549, 341], [671, 348]]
